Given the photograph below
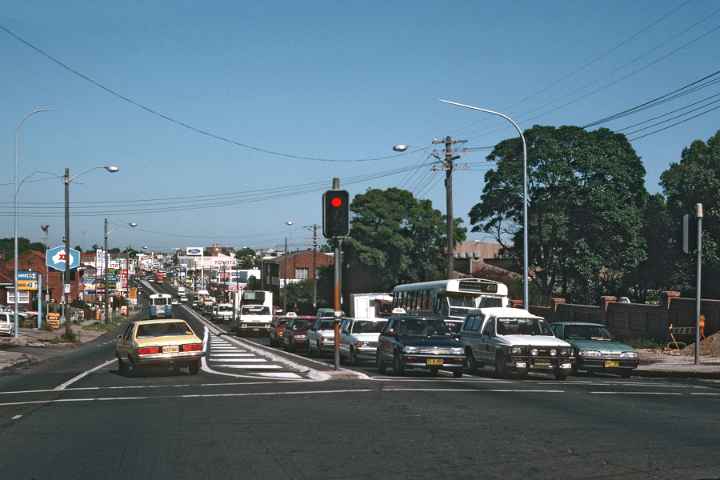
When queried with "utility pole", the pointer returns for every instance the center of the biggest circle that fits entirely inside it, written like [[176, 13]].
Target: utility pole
[[285, 275], [448, 162], [105, 274], [315, 283], [68, 260], [699, 215], [338, 286]]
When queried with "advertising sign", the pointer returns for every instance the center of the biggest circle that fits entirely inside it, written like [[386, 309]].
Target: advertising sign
[[53, 320], [27, 280], [55, 258], [193, 251], [23, 296]]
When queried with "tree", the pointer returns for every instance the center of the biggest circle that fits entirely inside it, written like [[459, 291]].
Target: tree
[[397, 238], [300, 296], [78, 248], [586, 192], [247, 258], [7, 246], [696, 179]]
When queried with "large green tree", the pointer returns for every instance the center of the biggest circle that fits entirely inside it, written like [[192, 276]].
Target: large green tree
[[696, 179], [397, 238], [247, 258], [7, 246], [586, 193]]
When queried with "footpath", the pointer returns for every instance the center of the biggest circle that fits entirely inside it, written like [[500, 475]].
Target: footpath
[[35, 345], [681, 363]]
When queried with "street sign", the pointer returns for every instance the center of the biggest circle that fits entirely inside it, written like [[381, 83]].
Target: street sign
[[27, 280], [193, 251], [55, 258], [53, 320]]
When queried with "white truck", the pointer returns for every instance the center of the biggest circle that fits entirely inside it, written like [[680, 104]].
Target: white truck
[[256, 307], [368, 306]]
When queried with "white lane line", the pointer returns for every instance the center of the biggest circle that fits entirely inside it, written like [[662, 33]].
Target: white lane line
[[20, 392], [239, 355], [675, 394], [189, 396], [17, 417], [237, 360], [279, 375], [448, 390], [251, 367], [233, 355], [443, 380], [82, 375]]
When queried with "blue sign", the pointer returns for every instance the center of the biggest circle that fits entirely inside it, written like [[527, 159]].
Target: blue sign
[[27, 275], [55, 258]]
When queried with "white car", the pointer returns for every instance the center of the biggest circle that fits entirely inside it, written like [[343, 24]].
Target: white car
[[7, 323], [514, 340], [223, 313], [359, 339], [321, 336]]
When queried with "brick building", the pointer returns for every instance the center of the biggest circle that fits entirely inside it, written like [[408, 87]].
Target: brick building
[[35, 261], [291, 268]]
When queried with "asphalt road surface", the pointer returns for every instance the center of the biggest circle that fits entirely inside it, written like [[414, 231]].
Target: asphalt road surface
[[76, 418]]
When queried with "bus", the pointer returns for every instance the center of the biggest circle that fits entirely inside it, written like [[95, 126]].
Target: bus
[[160, 305], [256, 309], [450, 299]]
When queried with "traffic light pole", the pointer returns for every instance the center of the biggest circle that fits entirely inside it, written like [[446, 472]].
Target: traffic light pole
[[338, 286], [699, 214]]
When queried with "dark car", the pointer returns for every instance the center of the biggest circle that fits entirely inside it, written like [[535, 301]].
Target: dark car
[[410, 342], [277, 329], [295, 334]]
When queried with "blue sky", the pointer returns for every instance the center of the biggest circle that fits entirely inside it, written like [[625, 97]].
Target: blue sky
[[339, 80]]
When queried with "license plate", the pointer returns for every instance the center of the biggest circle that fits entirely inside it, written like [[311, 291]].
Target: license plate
[[542, 364], [434, 362], [171, 349], [612, 364]]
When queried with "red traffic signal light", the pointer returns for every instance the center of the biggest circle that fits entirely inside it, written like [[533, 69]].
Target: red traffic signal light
[[336, 213]]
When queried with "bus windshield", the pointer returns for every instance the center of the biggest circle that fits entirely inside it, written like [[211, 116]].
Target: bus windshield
[[461, 300], [160, 301]]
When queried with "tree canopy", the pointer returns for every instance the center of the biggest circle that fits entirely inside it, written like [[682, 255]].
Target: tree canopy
[[397, 238], [247, 258], [7, 246], [586, 195]]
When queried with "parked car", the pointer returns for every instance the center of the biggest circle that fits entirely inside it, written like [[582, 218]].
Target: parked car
[[223, 313], [359, 339], [7, 323], [513, 340], [410, 342], [169, 342], [277, 329], [321, 336], [295, 333], [595, 349]]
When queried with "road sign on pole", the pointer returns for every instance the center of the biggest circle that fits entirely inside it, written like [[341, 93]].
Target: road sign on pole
[[55, 258]]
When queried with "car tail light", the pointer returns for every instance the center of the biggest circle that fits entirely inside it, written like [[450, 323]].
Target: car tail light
[[191, 347], [148, 350]]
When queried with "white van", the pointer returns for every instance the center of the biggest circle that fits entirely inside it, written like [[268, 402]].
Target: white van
[[7, 323]]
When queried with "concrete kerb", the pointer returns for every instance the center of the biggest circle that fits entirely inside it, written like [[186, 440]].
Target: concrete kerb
[[259, 350]]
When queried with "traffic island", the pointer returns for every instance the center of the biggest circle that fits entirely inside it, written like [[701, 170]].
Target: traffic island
[[15, 359], [677, 364]]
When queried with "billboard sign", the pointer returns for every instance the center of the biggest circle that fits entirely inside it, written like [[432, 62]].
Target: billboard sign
[[56, 258], [27, 280], [194, 251]]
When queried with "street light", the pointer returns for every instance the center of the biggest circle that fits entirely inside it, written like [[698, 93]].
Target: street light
[[526, 299], [67, 180], [400, 147], [112, 169], [18, 130]]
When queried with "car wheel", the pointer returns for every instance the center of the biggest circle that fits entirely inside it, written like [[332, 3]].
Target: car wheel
[[457, 373], [380, 362], [398, 367], [352, 357], [560, 375], [194, 367], [627, 373], [470, 362], [122, 367], [500, 370]]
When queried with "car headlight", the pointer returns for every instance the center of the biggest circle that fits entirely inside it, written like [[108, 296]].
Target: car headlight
[[590, 353], [411, 349], [553, 352], [628, 355], [457, 350], [534, 352], [300, 337], [516, 350], [565, 352]]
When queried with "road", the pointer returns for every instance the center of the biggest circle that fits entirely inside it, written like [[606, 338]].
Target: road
[[64, 420]]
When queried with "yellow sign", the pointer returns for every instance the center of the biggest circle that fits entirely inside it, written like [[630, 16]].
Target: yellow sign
[[133, 293], [27, 285], [53, 320]]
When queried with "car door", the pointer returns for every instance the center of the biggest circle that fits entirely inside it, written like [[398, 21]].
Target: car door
[[386, 341], [471, 333], [123, 346], [345, 336], [486, 341]]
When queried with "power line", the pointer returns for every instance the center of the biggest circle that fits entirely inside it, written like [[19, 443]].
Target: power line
[[183, 124], [675, 124], [675, 117]]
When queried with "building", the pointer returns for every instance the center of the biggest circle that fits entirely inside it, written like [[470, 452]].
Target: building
[[276, 272], [52, 281]]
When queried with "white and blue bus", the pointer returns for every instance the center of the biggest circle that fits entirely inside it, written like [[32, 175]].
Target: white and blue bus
[[452, 299], [160, 305]]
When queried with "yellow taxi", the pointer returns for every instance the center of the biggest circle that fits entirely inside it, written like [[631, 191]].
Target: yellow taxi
[[158, 342]]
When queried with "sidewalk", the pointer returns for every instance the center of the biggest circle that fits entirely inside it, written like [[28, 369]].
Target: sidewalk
[[662, 364]]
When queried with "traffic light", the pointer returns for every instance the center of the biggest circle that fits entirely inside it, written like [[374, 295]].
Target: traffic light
[[336, 213]]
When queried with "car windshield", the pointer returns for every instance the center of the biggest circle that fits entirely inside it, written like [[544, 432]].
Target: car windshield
[[301, 324], [587, 332], [365, 326], [163, 329], [422, 328], [326, 325], [522, 326], [255, 298]]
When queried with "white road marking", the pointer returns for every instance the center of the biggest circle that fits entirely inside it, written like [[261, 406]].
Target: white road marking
[[279, 374], [235, 355], [238, 360], [676, 394], [17, 417], [82, 375], [252, 367], [242, 358], [496, 390]]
